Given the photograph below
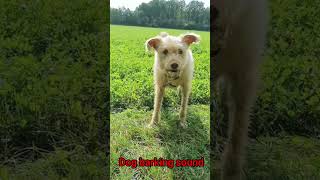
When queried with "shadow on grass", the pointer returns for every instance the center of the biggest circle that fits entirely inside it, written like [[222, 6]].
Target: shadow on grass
[[190, 143], [131, 139]]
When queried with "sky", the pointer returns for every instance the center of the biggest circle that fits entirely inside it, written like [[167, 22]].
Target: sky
[[132, 4]]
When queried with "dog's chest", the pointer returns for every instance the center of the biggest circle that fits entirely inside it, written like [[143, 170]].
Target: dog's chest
[[173, 82]]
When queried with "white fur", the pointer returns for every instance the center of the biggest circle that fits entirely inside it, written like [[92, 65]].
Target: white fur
[[163, 75]]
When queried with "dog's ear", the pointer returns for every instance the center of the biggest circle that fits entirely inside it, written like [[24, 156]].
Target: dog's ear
[[152, 43], [190, 38]]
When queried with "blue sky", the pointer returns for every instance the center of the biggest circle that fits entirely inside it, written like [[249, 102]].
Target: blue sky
[[132, 4]]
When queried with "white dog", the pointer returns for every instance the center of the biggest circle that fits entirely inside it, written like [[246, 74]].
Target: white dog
[[173, 67], [244, 23]]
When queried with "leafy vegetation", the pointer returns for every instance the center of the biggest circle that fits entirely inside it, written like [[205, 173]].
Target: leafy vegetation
[[289, 98], [282, 158], [52, 87], [293, 30], [175, 14], [60, 164]]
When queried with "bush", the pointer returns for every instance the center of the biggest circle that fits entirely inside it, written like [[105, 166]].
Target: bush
[[52, 74], [293, 29], [290, 98]]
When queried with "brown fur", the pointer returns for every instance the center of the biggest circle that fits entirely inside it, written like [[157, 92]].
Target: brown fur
[[244, 23]]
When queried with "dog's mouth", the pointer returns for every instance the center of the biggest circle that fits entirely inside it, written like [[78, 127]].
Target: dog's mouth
[[173, 70], [177, 72], [173, 73]]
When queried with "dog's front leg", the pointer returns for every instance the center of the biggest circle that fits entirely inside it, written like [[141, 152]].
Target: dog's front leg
[[241, 97], [159, 93], [184, 103]]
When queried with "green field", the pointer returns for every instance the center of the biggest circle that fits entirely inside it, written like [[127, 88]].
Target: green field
[[132, 102]]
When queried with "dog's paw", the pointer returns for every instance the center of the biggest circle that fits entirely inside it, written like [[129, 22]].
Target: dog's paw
[[183, 124]]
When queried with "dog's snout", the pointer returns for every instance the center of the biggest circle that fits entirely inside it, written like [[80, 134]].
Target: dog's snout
[[174, 66]]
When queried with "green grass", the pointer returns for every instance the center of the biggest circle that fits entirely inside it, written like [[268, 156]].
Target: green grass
[[284, 158], [132, 96], [60, 164], [131, 139]]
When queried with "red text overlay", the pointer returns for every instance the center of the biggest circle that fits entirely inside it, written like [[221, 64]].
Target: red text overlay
[[170, 163]]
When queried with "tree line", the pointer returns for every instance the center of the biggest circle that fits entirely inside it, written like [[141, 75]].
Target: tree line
[[165, 13]]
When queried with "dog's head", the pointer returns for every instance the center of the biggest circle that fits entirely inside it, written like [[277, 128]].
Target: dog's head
[[172, 52]]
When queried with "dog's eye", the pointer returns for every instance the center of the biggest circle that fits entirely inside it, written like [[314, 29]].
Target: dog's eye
[[180, 51], [165, 52]]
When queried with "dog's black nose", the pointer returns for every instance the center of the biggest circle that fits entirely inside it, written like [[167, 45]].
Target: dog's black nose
[[174, 66]]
